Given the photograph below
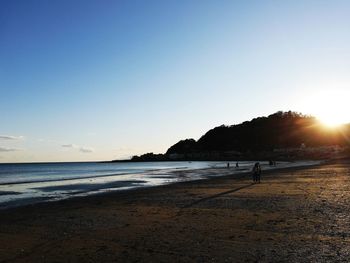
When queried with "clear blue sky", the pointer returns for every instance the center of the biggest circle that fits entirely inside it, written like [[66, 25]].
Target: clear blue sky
[[100, 80]]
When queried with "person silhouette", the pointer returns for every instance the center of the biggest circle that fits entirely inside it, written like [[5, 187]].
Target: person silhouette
[[256, 172]]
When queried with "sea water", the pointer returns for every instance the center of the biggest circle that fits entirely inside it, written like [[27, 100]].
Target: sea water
[[29, 183]]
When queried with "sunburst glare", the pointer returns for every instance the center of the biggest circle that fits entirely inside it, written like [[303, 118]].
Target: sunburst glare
[[330, 107]]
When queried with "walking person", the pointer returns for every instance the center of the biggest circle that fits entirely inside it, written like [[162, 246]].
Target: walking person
[[256, 172]]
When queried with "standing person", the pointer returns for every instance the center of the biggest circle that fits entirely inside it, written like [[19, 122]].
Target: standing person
[[256, 172]]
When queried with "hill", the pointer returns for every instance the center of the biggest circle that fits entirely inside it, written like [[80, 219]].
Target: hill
[[278, 130], [271, 136]]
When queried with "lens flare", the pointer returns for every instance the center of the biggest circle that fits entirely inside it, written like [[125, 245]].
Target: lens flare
[[329, 107]]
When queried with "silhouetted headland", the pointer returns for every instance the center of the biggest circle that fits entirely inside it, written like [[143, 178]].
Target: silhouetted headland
[[280, 136]]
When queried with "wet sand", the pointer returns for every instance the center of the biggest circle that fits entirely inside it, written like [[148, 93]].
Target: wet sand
[[293, 215]]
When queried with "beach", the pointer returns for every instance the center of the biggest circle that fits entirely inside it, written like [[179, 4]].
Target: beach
[[30, 183], [293, 215]]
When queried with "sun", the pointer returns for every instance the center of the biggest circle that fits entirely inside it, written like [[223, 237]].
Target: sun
[[333, 115], [330, 107], [331, 121]]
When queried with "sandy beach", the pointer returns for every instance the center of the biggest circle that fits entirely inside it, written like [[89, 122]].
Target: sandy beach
[[293, 215]]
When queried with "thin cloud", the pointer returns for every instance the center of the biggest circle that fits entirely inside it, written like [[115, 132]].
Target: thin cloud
[[4, 149], [80, 148], [69, 146], [86, 149], [11, 137], [122, 149]]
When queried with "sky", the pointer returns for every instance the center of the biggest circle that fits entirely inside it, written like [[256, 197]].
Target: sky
[[84, 80]]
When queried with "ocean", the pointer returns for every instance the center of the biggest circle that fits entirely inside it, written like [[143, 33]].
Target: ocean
[[22, 184]]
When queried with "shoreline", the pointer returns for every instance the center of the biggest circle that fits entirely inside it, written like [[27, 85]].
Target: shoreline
[[137, 190], [296, 214]]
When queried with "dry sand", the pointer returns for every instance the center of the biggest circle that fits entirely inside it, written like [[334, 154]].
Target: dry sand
[[294, 215]]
